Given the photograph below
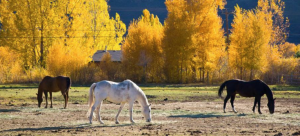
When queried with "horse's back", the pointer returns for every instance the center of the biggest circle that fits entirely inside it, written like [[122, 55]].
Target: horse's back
[[63, 82], [46, 82], [55, 84], [113, 91], [248, 89]]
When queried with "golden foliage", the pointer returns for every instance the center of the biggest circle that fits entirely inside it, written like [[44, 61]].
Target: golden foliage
[[288, 50], [193, 32], [142, 51], [31, 27], [251, 34], [67, 60], [10, 66]]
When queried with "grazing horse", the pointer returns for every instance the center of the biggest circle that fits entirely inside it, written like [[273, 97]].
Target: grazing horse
[[255, 88], [53, 84], [124, 92]]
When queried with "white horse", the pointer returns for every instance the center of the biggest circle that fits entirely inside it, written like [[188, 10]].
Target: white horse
[[124, 92]]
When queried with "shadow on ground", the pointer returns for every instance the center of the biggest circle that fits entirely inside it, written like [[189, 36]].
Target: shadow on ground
[[9, 110], [75, 127], [206, 115]]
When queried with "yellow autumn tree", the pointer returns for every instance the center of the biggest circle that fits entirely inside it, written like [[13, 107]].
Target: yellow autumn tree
[[280, 24], [67, 60], [28, 24], [288, 50], [104, 30], [251, 34], [78, 28], [192, 33], [142, 51], [10, 66]]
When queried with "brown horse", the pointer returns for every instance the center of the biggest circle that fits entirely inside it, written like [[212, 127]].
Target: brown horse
[[53, 84]]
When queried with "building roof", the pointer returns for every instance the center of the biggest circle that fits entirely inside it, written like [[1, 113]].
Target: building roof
[[116, 55]]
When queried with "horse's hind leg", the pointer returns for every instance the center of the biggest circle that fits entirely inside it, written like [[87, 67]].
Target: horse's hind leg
[[231, 101], [225, 101], [46, 96], [66, 96], [97, 105], [255, 101], [120, 109], [98, 112], [50, 99], [258, 101]]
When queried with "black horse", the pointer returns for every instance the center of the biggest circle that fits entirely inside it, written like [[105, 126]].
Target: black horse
[[255, 88]]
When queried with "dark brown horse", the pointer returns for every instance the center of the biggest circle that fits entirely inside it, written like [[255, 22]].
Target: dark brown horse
[[53, 84], [255, 88]]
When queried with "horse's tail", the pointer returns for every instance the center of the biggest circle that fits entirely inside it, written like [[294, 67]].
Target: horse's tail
[[91, 98], [68, 85], [221, 89]]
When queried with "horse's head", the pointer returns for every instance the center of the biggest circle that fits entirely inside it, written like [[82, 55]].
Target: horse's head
[[147, 113], [40, 100], [271, 105]]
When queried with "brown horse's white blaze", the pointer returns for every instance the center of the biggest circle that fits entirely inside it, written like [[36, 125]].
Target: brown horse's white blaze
[[53, 84], [124, 92]]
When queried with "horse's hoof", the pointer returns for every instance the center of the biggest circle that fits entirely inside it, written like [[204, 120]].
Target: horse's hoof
[[117, 122], [132, 122]]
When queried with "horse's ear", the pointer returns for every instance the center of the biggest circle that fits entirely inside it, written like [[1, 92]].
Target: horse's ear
[[150, 104], [36, 94], [274, 99]]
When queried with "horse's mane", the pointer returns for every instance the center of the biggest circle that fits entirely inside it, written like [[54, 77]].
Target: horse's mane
[[131, 84]]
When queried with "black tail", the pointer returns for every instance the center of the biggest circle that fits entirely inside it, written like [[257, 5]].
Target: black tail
[[221, 89], [68, 85]]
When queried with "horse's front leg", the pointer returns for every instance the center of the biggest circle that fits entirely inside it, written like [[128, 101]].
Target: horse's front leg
[[51, 99], [131, 111], [259, 98], [120, 109], [46, 96]]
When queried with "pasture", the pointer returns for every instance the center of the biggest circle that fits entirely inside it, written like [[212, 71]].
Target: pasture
[[176, 110]]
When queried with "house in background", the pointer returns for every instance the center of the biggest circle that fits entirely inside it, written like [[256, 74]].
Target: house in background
[[116, 56]]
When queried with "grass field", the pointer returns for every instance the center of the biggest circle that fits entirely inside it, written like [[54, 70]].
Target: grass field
[[26, 93], [176, 110]]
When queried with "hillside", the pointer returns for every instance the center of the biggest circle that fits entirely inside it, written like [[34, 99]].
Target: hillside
[[132, 9]]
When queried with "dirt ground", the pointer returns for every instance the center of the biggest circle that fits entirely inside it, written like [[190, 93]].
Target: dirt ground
[[187, 118]]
